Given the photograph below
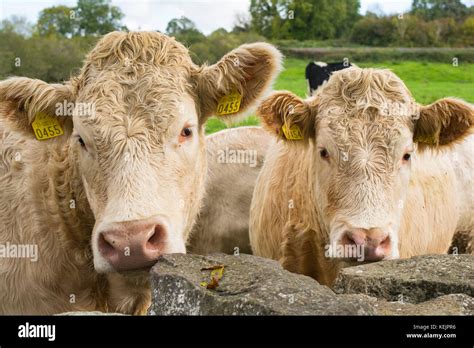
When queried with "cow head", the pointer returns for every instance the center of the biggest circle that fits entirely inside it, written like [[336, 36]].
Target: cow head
[[361, 133], [136, 135]]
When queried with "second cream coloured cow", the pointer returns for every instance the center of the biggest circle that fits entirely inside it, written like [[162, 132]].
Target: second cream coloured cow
[[376, 176]]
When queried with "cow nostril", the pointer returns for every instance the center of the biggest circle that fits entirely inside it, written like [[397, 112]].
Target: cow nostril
[[156, 239], [348, 239], [385, 241], [106, 247], [357, 237]]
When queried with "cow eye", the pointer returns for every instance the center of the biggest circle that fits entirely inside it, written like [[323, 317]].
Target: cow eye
[[186, 132], [324, 154], [81, 141], [407, 156]]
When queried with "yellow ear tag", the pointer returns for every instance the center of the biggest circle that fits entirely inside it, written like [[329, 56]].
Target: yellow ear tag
[[294, 133], [46, 126], [229, 104]]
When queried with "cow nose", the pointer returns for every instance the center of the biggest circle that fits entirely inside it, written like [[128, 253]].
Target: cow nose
[[132, 244], [375, 242]]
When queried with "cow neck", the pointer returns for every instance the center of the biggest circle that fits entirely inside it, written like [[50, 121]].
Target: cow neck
[[299, 183], [64, 211], [318, 220], [325, 270], [70, 197]]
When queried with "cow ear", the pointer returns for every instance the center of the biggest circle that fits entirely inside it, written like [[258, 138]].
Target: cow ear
[[23, 99], [287, 116], [443, 123], [242, 76]]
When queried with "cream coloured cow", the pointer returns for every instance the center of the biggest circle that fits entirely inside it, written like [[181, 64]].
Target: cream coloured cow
[[124, 183], [376, 176]]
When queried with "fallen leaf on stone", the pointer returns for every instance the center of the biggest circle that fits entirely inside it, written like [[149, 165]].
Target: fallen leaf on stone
[[213, 284], [212, 268], [216, 274]]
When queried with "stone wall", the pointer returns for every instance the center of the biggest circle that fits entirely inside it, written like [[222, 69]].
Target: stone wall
[[250, 285]]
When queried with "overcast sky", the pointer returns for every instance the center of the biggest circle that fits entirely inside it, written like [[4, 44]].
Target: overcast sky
[[155, 14]]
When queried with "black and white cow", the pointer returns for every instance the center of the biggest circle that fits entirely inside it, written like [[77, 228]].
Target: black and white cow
[[318, 72]]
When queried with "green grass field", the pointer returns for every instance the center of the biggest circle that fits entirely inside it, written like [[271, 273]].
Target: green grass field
[[427, 82]]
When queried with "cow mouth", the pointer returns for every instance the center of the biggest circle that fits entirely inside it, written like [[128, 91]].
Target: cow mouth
[[353, 261], [140, 272]]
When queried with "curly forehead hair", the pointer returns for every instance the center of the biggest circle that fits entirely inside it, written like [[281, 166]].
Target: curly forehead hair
[[140, 73], [359, 89], [131, 57], [134, 49]]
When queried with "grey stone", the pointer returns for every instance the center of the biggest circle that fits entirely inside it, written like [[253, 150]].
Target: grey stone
[[250, 286], [412, 280], [454, 304], [89, 313]]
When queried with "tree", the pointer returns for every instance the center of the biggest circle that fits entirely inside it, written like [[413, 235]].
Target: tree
[[303, 19], [57, 20], [467, 32], [16, 24], [295, 23], [88, 17], [184, 30], [242, 23], [419, 33], [434, 9], [266, 16], [12, 44], [98, 17], [446, 29], [374, 31], [180, 25]]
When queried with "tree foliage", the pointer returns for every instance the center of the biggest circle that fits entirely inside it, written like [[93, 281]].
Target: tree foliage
[[184, 30], [88, 17], [54, 47], [303, 19], [56, 20], [374, 31], [412, 31], [435, 9]]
